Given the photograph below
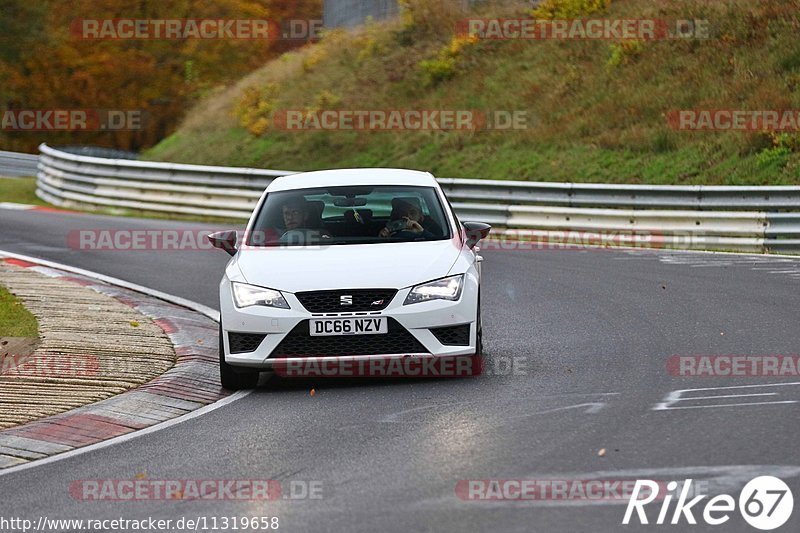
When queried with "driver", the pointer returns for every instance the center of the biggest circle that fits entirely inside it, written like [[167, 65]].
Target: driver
[[298, 217], [411, 213], [296, 214]]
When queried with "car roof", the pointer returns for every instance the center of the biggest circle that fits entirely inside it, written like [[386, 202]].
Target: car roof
[[352, 176]]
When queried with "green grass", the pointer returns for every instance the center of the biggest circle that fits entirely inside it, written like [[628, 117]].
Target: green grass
[[15, 320], [592, 120], [19, 191]]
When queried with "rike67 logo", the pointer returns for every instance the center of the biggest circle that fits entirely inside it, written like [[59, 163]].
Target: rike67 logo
[[765, 503]]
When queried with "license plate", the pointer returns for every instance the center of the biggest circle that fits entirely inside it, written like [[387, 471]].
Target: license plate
[[348, 326]]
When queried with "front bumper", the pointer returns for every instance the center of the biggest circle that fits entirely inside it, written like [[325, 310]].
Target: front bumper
[[279, 325]]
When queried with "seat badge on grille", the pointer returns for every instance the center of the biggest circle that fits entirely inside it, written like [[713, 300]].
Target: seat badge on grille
[[346, 299], [377, 302]]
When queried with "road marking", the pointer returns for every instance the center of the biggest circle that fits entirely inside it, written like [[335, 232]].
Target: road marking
[[591, 408], [674, 397], [734, 396], [711, 255], [706, 265], [785, 265], [16, 207], [727, 405]]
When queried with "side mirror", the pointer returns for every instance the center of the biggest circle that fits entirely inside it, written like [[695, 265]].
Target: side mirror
[[224, 240], [475, 232]]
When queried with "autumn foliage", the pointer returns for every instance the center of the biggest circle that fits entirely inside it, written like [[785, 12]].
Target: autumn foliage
[[43, 65]]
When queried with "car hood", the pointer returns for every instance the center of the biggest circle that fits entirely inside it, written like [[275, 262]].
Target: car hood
[[351, 266]]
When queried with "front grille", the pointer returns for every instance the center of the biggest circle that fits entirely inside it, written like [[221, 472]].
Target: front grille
[[331, 302], [298, 343], [244, 342], [452, 335]]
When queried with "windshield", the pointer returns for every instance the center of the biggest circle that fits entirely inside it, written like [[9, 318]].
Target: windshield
[[349, 215]]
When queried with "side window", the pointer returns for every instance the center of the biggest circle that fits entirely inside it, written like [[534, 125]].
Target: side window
[[424, 205]]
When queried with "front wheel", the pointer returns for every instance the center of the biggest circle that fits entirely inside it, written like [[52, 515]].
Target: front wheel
[[230, 378], [479, 331]]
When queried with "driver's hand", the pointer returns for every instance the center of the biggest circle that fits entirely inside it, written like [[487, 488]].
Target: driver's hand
[[384, 232], [413, 225]]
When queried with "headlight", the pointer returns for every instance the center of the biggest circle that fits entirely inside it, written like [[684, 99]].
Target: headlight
[[246, 295], [441, 289]]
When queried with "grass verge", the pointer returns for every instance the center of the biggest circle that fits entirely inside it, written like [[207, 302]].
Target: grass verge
[[19, 191], [15, 320]]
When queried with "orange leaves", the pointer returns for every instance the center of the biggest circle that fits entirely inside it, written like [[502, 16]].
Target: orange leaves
[[50, 67]]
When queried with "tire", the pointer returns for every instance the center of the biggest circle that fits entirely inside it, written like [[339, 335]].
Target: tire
[[479, 333], [479, 358], [231, 378]]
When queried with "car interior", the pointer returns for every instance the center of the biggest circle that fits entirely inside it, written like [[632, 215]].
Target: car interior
[[355, 213]]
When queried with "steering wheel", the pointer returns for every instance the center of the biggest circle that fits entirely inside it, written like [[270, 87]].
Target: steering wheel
[[405, 234], [293, 234], [303, 236]]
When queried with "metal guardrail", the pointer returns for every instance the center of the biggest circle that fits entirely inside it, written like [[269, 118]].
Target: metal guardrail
[[351, 13], [690, 217], [100, 151], [15, 164]]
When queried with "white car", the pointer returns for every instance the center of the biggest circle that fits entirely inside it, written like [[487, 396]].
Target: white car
[[348, 264]]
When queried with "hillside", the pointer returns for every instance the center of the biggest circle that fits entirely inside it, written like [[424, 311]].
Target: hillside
[[597, 109]]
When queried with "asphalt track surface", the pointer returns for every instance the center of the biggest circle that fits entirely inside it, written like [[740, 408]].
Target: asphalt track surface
[[588, 334]]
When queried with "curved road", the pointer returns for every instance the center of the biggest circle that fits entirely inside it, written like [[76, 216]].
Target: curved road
[[587, 334]]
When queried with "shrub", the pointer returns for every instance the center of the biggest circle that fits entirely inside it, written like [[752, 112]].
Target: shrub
[[624, 52], [777, 156], [438, 70], [370, 42], [569, 9], [445, 65], [428, 17], [326, 100], [316, 54], [255, 107]]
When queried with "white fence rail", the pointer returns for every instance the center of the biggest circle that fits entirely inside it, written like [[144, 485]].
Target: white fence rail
[[690, 217], [14, 164]]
